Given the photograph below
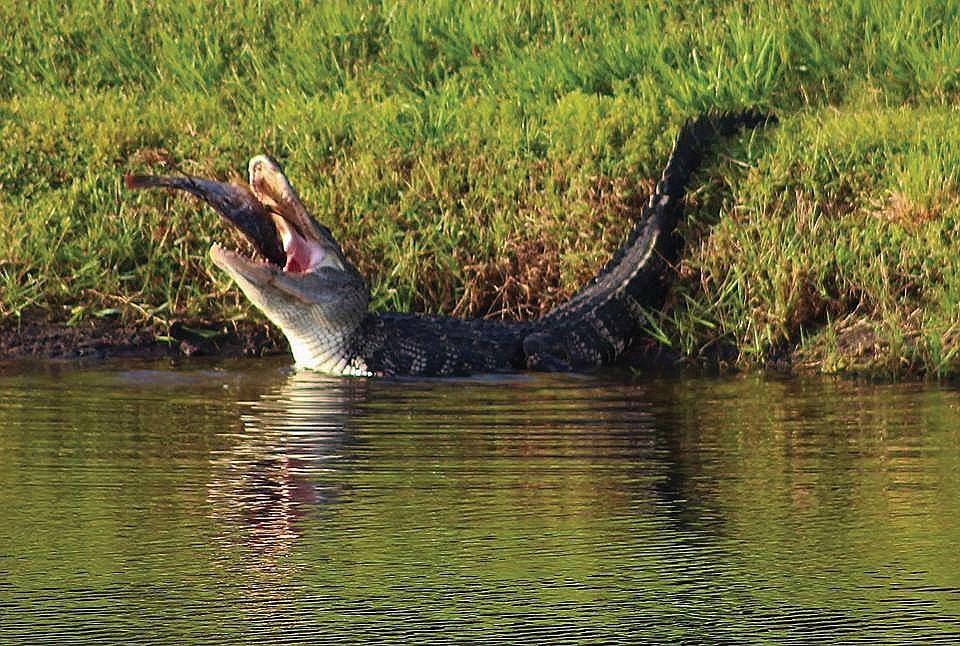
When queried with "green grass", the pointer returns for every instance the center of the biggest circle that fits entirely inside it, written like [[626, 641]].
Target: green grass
[[484, 158]]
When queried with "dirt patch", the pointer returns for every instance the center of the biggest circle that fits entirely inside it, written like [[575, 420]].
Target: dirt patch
[[110, 338]]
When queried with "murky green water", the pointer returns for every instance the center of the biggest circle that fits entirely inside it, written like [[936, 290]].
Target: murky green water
[[239, 503]]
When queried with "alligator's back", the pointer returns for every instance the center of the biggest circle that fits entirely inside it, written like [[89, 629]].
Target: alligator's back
[[598, 323]]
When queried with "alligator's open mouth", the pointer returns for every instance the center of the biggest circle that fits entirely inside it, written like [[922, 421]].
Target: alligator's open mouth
[[298, 276], [269, 214]]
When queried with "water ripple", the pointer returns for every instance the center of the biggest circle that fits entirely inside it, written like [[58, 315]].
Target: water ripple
[[242, 503]]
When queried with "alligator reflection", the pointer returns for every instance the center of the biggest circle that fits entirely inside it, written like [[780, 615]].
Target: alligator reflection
[[274, 472], [548, 446]]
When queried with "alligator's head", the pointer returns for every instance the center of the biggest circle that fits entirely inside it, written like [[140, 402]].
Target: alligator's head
[[305, 284]]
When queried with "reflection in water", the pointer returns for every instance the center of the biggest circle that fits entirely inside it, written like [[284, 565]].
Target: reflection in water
[[244, 504], [274, 471]]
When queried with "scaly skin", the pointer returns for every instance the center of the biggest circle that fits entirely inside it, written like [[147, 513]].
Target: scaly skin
[[318, 299]]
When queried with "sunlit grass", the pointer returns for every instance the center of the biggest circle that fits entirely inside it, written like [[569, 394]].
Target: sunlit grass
[[484, 158]]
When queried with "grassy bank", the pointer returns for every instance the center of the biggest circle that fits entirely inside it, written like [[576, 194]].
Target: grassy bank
[[484, 158]]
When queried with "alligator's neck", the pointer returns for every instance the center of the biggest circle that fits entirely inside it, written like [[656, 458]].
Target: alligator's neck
[[329, 353]]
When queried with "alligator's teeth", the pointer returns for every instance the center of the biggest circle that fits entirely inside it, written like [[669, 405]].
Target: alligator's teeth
[[254, 259]]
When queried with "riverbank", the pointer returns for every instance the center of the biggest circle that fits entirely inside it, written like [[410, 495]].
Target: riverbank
[[486, 160], [111, 338]]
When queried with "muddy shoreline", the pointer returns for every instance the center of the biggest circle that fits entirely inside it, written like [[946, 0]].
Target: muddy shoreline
[[110, 338]]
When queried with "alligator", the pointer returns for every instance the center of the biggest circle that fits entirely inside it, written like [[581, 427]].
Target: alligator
[[306, 286]]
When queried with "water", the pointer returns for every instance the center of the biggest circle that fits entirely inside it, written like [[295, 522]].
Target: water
[[236, 502]]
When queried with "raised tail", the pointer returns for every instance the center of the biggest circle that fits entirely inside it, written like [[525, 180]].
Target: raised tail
[[694, 138], [600, 320]]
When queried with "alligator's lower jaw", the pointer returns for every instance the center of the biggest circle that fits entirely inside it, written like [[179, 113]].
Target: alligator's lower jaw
[[257, 272]]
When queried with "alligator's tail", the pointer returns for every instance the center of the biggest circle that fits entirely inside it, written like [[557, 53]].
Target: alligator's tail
[[604, 315], [663, 210], [695, 136]]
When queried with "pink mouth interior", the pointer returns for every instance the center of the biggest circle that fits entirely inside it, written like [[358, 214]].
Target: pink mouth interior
[[302, 255]]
